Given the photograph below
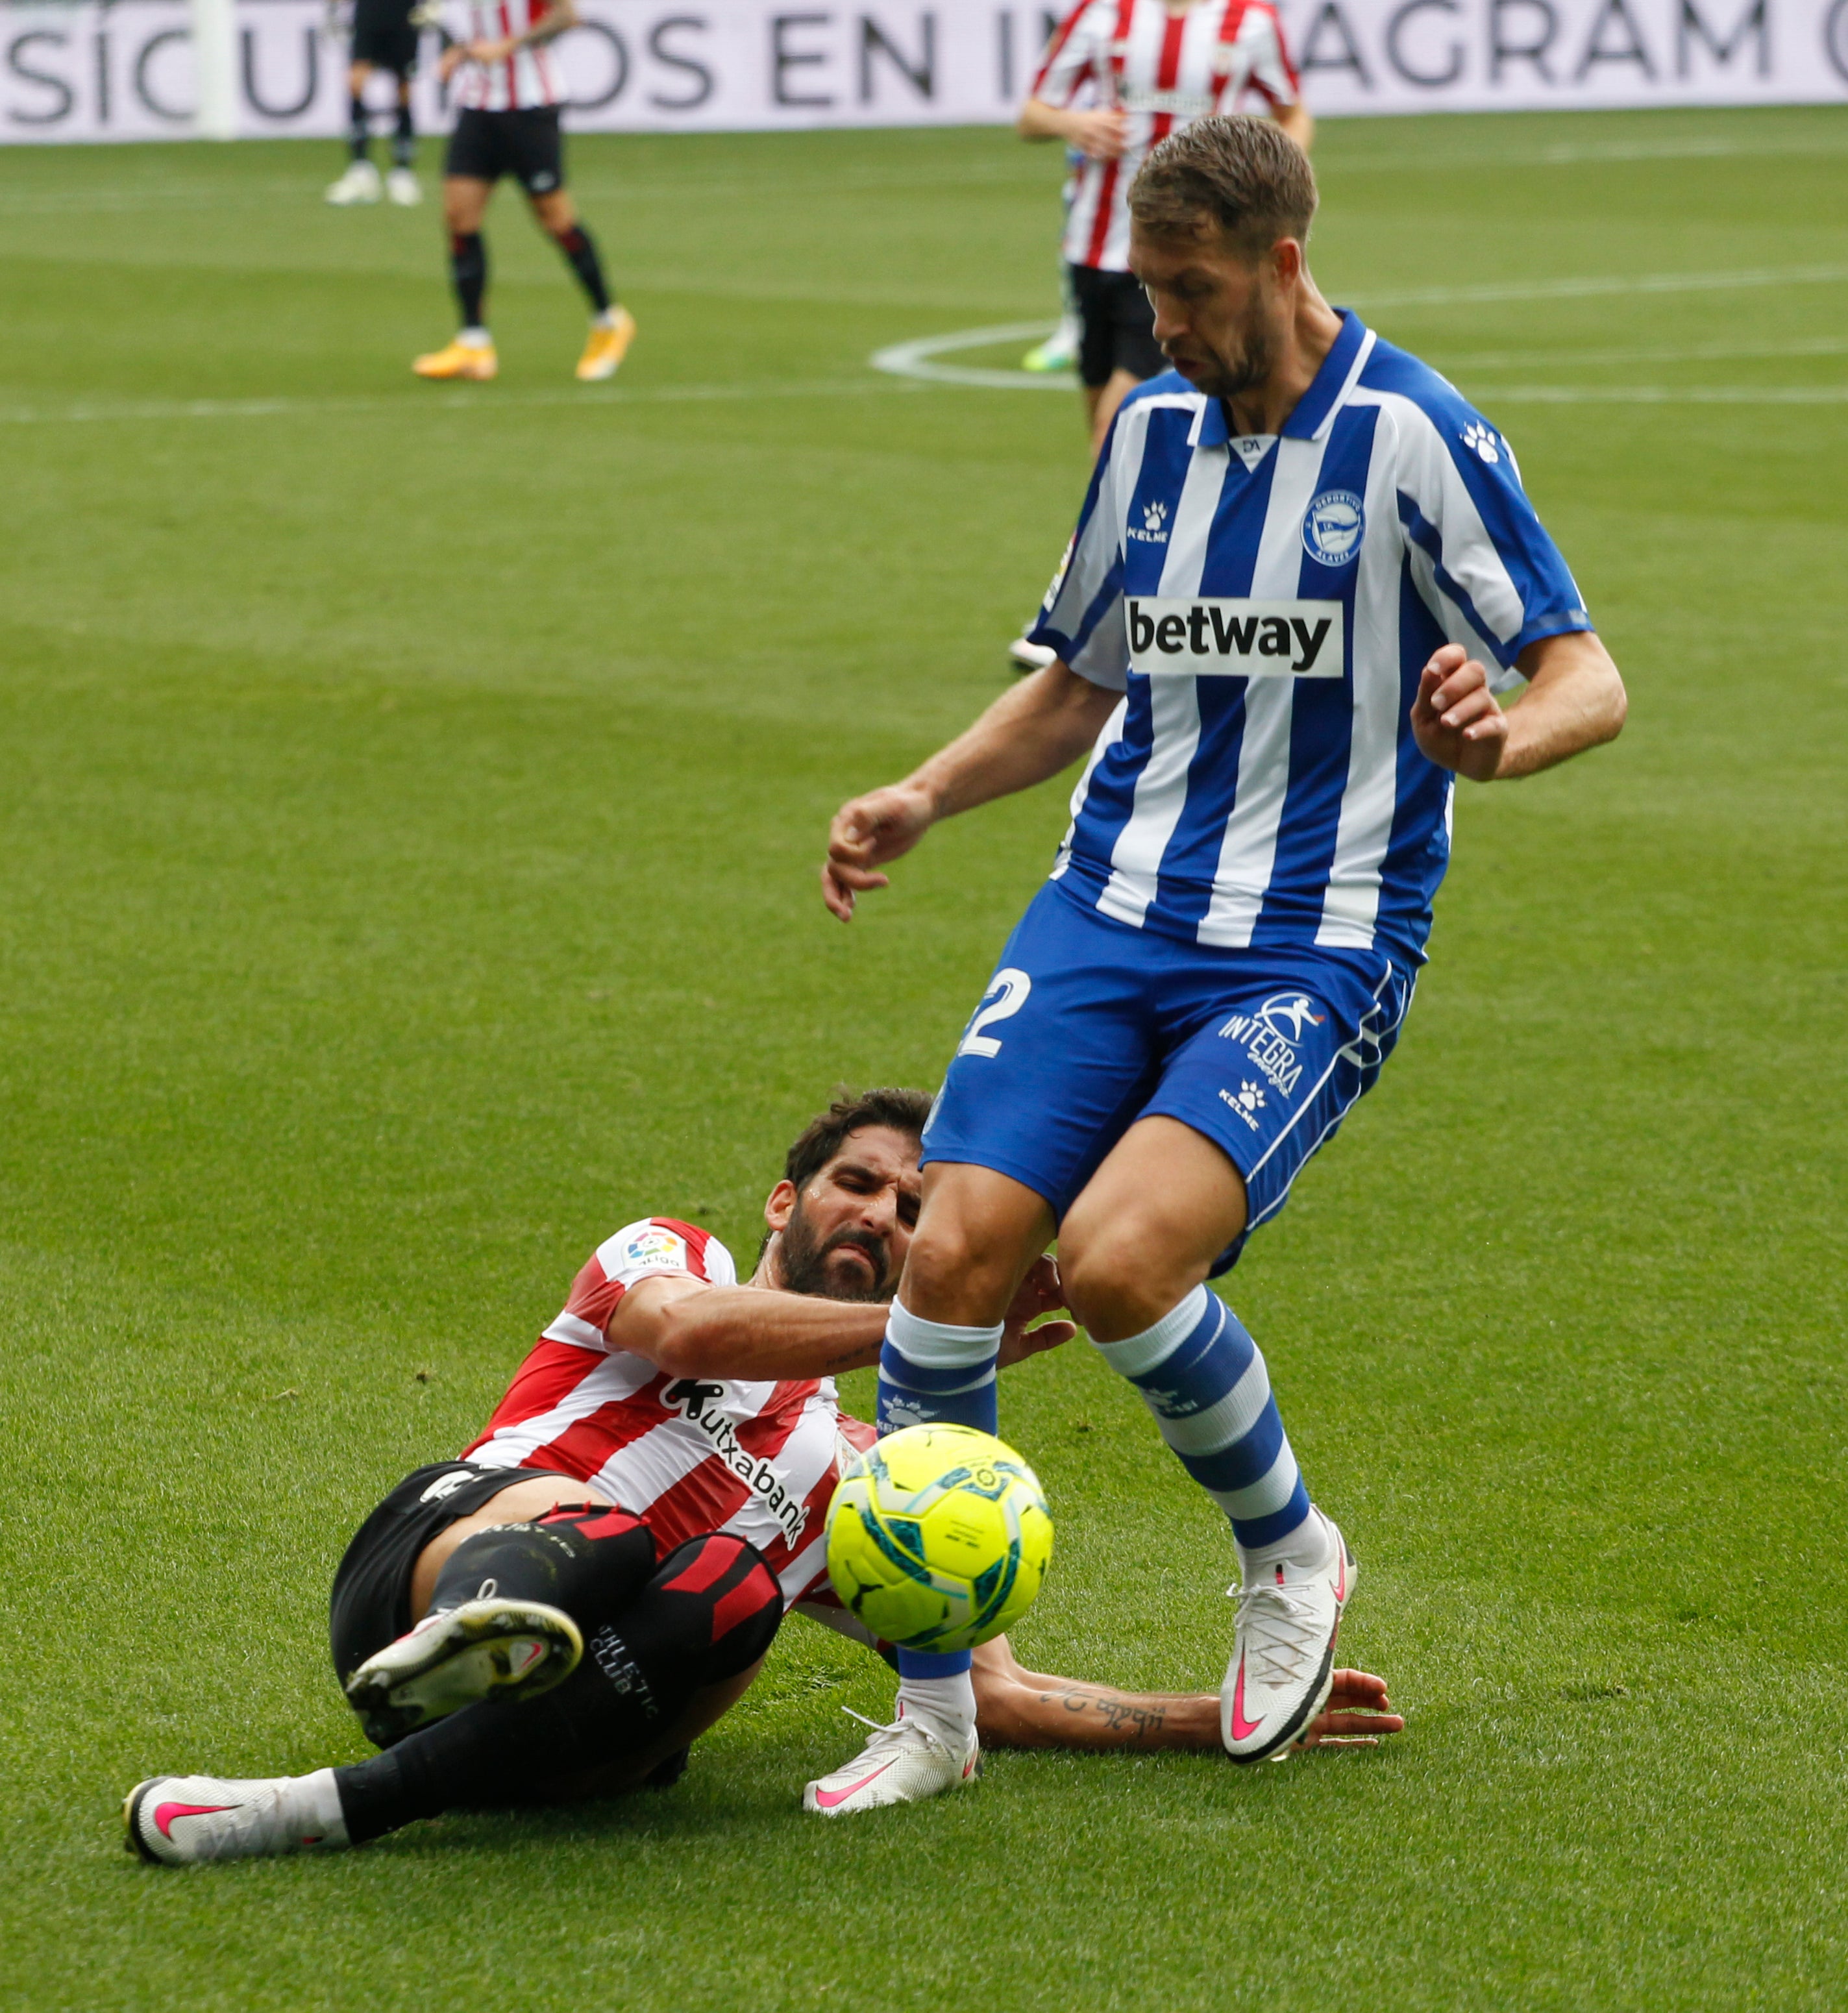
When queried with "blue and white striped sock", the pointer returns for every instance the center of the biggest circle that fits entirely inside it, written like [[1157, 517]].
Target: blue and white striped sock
[[932, 1373], [1204, 1379]]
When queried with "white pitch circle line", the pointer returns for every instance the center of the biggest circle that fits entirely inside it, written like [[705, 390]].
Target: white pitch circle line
[[918, 358]]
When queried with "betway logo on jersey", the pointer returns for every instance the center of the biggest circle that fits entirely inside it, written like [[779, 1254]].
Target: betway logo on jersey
[[698, 1401], [1203, 638]]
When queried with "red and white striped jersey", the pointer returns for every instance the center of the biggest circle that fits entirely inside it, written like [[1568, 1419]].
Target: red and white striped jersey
[[1164, 69], [519, 83], [687, 1455]]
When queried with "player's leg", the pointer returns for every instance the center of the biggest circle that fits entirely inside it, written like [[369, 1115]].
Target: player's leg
[[1136, 1251], [359, 183], [612, 327], [1135, 354], [1259, 1083], [401, 182], [654, 1673], [508, 1605], [1049, 1069], [470, 170]]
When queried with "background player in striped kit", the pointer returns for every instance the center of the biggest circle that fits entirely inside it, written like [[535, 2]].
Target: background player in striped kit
[[653, 1490], [1117, 78], [384, 37], [508, 125], [1264, 629]]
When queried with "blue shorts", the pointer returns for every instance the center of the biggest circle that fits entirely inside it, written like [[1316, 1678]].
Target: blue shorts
[[1089, 1025]]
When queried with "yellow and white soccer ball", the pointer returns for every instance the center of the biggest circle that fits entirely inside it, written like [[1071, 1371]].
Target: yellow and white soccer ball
[[938, 1538]]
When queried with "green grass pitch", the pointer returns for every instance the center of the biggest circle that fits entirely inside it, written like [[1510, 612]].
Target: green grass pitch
[[409, 805]]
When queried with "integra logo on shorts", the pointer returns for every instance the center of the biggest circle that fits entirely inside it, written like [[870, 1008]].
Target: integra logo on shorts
[[1263, 1037], [697, 1400], [1205, 638]]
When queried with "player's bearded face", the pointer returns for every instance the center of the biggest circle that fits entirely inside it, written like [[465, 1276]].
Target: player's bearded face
[[1214, 310], [815, 1263]]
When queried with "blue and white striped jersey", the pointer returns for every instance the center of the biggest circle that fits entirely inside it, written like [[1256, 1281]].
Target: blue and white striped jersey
[[1265, 606]]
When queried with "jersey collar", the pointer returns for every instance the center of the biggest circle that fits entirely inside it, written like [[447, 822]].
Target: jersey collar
[[1314, 412]]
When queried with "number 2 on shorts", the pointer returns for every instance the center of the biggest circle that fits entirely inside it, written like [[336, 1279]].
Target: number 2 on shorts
[[1006, 996]]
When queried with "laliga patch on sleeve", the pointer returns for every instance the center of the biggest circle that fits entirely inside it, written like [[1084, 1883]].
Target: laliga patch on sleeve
[[1205, 638], [654, 1251]]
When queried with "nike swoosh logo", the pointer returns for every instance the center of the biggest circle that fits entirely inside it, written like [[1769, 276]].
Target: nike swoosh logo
[[1341, 1584], [826, 1799], [1241, 1727], [164, 1813]]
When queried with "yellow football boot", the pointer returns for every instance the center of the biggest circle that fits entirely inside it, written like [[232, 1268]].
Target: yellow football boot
[[459, 359], [606, 349]]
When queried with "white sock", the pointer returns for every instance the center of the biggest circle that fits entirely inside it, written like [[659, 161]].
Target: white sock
[[1311, 1545], [475, 339], [945, 1707], [316, 1799]]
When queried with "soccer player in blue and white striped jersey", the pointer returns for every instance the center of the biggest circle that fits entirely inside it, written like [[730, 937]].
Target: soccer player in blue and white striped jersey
[[1304, 569]]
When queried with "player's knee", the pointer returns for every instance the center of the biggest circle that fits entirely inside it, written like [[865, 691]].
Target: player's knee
[[1117, 1279], [731, 1607], [956, 1271]]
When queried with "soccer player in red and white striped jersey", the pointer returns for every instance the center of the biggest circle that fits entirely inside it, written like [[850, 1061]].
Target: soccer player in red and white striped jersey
[[1118, 77], [508, 125], [614, 1553]]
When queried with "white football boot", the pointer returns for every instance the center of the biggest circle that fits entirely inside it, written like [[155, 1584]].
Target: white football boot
[[1283, 1652], [360, 183], [902, 1763], [403, 188], [1025, 657], [186, 1820], [457, 1655]]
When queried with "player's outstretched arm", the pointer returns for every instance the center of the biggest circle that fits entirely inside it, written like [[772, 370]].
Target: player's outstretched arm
[[1574, 700], [1020, 1709], [689, 1328], [1032, 732]]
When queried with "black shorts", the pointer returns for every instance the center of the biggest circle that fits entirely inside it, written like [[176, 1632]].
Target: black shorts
[[527, 145], [1118, 327], [385, 44], [371, 1603]]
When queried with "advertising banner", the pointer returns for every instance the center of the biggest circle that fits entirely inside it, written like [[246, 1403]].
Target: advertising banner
[[123, 69]]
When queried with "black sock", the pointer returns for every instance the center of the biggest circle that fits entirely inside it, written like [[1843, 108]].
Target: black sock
[[468, 270], [360, 127], [580, 250], [708, 1613], [404, 140]]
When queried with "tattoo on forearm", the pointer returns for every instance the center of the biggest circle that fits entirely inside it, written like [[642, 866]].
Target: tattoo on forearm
[[1120, 1715]]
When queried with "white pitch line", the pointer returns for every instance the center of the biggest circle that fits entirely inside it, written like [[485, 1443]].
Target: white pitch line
[[1662, 395], [1593, 285], [481, 400], [917, 358]]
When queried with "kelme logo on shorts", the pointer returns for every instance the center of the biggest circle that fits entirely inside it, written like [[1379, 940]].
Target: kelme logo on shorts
[[1240, 639]]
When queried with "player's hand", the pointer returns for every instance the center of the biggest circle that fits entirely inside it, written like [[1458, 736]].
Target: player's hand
[[451, 61], [1357, 1714], [1101, 136], [1455, 719], [1040, 1294], [871, 830]]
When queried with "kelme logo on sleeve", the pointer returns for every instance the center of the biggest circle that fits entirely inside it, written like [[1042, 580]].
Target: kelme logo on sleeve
[[1239, 639]]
